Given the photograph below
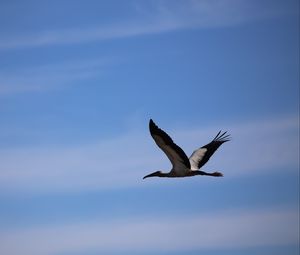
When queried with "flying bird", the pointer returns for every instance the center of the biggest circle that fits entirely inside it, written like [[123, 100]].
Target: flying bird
[[182, 166]]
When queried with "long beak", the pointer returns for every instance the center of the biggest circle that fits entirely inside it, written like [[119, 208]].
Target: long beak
[[150, 175]]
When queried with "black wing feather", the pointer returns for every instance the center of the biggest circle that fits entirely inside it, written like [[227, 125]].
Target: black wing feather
[[155, 130], [213, 146]]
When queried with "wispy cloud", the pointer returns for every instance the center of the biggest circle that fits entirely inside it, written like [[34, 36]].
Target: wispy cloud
[[225, 229], [51, 76], [163, 16], [256, 147]]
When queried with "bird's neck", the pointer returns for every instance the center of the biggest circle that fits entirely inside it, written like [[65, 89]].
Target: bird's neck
[[162, 174]]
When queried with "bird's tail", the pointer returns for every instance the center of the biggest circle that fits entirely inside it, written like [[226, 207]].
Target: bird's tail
[[217, 174]]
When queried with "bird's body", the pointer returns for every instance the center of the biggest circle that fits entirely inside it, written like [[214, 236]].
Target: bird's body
[[182, 166]]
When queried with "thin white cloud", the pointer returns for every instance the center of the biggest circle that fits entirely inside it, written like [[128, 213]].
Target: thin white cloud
[[163, 16], [221, 230], [256, 148], [51, 76]]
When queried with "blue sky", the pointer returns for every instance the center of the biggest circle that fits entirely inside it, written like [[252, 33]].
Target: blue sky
[[79, 81]]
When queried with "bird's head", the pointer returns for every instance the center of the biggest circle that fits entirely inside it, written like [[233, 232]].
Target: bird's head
[[157, 174]]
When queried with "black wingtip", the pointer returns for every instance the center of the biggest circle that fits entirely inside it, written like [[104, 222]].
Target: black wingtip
[[151, 123], [217, 135], [222, 137], [152, 126]]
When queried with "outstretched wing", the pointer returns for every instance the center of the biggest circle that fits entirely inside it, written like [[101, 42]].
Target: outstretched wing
[[175, 154], [203, 154]]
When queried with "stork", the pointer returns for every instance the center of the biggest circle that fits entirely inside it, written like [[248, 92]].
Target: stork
[[182, 166]]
